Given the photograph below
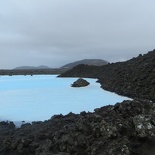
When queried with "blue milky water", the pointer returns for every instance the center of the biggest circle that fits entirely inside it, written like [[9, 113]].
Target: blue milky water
[[38, 97]]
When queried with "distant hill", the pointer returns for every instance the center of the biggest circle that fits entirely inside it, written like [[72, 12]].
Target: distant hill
[[43, 67], [31, 67], [95, 62]]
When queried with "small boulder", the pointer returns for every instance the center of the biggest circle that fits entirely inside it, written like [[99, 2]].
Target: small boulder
[[80, 83]]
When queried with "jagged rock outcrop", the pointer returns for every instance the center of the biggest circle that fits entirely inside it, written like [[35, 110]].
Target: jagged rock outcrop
[[80, 83], [127, 128], [6, 126], [133, 78]]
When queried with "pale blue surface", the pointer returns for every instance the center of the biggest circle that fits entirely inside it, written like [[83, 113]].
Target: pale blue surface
[[35, 98]]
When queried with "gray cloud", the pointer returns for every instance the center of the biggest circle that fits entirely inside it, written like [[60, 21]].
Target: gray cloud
[[55, 32]]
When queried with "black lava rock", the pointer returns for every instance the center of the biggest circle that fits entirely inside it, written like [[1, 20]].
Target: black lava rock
[[132, 78], [126, 128], [80, 83]]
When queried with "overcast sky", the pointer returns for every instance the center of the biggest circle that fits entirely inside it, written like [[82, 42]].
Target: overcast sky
[[56, 32]]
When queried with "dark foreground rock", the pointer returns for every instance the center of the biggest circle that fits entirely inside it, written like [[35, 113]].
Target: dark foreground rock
[[6, 126], [127, 128], [80, 83]]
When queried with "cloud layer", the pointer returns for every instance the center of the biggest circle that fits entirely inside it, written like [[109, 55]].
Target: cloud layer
[[55, 32]]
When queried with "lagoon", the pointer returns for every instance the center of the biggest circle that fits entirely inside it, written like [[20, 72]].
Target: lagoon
[[38, 97]]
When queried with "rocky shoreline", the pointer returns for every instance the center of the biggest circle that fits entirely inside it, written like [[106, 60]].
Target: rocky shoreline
[[11, 72], [132, 78], [126, 128]]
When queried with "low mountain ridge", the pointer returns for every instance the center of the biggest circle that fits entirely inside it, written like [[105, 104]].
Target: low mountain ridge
[[95, 62], [31, 67]]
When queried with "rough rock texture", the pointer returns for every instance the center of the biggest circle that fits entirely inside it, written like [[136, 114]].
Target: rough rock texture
[[6, 126], [127, 128], [80, 83], [133, 78]]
